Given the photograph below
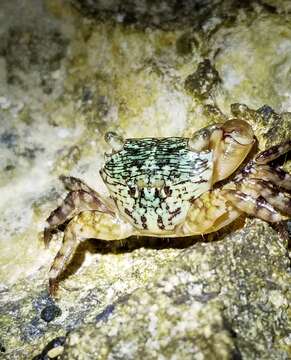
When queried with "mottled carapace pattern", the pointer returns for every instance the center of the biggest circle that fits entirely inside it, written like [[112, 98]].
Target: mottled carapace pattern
[[153, 181]]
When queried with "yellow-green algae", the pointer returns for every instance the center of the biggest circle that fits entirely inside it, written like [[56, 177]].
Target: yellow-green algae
[[54, 112]]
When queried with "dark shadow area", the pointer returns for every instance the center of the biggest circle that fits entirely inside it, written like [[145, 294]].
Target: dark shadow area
[[96, 246]]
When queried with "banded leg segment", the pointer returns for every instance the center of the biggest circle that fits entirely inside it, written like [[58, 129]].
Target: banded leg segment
[[260, 197], [270, 192], [74, 203], [274, 175], [72, 183], [88, 224], [273, 152], [257, 207], [262, 190], [64, 256]]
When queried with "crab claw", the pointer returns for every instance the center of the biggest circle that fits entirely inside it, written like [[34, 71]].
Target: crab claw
[[231, 148], [230, 143], [239, 131]]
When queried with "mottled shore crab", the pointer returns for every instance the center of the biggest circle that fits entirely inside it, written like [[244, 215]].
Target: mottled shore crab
[[172, 187]]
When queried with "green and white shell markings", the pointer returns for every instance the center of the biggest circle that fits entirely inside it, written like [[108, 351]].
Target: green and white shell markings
[[153, 181]]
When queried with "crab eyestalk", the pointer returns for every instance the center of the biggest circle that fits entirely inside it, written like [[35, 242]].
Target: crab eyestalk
[[115, 141], [200, 140], [231, 147]]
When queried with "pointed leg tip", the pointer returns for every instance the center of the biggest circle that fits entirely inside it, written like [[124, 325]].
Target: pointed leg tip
[[53, 287], [47, 236]]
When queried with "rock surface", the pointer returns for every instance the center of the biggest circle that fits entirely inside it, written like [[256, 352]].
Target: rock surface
[[213, 301], [69, 72]]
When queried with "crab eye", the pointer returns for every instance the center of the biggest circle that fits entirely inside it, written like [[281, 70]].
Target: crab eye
[[114, 140], [199, 140]]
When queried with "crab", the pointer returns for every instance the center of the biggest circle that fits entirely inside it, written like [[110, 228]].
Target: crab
[[172, 187]]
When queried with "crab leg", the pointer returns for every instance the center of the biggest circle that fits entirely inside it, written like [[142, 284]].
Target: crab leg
[[88, 224], [261, 190], [72, 183], [275, 175], [278, 199], [257, 207], [273, 152], [74, 203], [63, 257]]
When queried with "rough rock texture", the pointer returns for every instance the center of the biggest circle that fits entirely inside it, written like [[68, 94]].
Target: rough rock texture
[[210, 302], [69, 72]]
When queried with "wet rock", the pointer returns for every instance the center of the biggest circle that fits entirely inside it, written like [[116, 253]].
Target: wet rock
[[49, 313], [35, 51], [146, 13], [2, 348], [53, 349], [270, 126], [202, 83], [104, 315]]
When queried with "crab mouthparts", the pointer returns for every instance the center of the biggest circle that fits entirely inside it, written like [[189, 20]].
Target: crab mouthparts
[[157, 184]]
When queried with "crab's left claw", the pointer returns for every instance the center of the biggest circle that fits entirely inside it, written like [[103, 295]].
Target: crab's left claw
[[229, 152], [230, 143]]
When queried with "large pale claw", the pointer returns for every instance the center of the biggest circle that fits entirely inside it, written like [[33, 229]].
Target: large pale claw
[[230, 151]]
